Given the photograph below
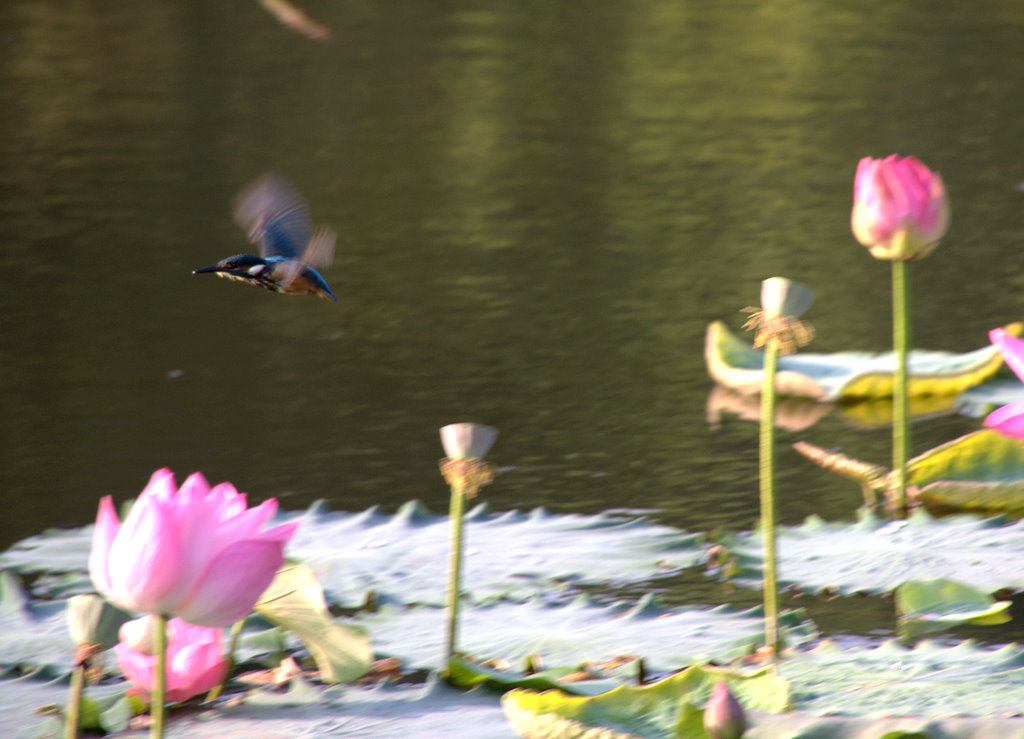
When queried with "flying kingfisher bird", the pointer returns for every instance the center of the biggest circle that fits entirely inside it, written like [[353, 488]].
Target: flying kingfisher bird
[[276, 216]]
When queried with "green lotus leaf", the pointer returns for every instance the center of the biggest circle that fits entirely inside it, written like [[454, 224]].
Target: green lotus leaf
[[875, 555], [463, 673], [800, 725], [578, 632], [928, 680], [403, 557], [295, 601], [847, 376], [430, 710], [662, 709], [929, 606], [508, 555], [33, 636], [981, 472]]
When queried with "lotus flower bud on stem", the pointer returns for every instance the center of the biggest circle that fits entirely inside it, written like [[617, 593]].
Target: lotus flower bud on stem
[[723, 715], [195, 659], [900, 208]]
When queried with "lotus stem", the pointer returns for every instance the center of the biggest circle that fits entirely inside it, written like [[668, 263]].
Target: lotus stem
[[73, 714], [455, 510], [767, 475], [156, 708], [900, 426], [236, 632]]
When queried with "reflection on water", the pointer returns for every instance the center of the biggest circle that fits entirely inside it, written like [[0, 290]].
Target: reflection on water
[[540, 208]]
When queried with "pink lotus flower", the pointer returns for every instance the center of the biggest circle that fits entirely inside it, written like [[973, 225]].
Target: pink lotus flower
[[900, 208], [1009, 419], [195, 659], [197, 553]]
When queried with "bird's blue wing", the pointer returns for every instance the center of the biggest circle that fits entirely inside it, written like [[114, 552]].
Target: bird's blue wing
[[275, 215]]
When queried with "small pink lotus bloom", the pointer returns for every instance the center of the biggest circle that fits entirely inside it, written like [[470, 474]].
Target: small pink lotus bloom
[[1009, 419], [195, 659], [723, 715], [900, 208], [194, 552]]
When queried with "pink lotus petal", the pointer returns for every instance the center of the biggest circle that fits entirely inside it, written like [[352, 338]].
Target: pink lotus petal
[[1011, 348], [160, 485], [107, 526], [1008, 420], [233, 583], [145, 559]]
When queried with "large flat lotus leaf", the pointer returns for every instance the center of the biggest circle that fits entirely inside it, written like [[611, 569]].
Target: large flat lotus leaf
[[666, 708], [799, 725], [29, 705], [889, 679], [404, 557], [53, 551], [567, 635], [432, 710], [33, 636], [846, 375], [942, 687], [874, 555]]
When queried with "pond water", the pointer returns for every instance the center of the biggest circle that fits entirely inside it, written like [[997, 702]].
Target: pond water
[[541, 206]]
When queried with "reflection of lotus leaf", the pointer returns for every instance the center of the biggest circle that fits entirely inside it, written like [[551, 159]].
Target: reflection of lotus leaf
[[847, 376]]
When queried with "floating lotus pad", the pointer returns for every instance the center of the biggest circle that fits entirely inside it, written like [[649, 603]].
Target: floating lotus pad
[[403, 557], [667, 708], [34, 637], [847, 376], [570, 634], [943, 687], [506, 555], [874, 555]]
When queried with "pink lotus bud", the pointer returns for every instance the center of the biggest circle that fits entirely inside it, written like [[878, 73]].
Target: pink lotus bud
[[900, 208], [723, 715], [1008, 420], [195, 660], [195, 552]]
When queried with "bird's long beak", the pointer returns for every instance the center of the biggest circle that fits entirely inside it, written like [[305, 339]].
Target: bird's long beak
[[211, 268]]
